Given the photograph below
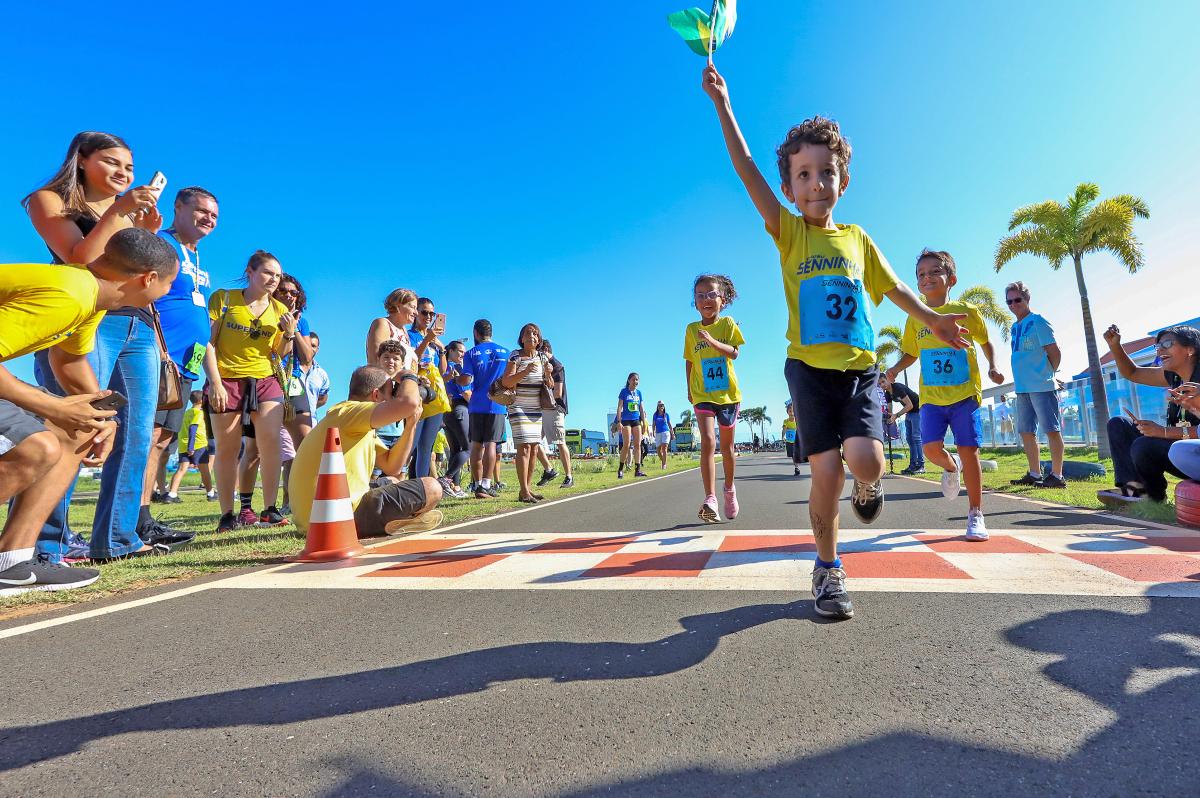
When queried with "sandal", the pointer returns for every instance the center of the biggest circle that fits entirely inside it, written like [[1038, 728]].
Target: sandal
[[1132, 490]]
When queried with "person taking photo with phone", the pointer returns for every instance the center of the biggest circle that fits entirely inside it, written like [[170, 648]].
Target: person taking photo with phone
[[45, 437]]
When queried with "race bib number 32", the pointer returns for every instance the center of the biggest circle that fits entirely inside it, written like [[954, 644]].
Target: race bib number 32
[[834, 310], [944, 367], [715, 371]]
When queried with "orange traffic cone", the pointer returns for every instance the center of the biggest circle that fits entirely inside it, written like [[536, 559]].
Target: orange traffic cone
[[331, 531]]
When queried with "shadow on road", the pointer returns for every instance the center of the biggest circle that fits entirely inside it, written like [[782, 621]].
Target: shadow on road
[[1144, 667], [427, 680]]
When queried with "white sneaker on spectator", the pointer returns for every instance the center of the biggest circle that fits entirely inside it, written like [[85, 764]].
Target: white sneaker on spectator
[[976, 529]]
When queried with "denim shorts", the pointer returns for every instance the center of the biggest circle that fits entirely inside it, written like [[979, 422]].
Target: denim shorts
[[963, 418], [1038, 409]]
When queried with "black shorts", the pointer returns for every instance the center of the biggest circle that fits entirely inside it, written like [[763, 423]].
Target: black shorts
[[486, 427], [631, 424], [300, 403], [200, 457], [394, 501], [172, 420], [832, 406]]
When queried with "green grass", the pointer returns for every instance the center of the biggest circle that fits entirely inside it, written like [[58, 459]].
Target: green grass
[[1078, 493], [209, 554]]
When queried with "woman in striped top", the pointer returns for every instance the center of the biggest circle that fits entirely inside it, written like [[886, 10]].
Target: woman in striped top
[[527, 373]]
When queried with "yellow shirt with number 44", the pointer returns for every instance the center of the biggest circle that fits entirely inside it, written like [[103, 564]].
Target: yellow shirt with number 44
[[947, 375], [712, 378]]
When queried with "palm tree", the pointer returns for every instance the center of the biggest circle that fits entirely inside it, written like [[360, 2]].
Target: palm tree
[[990, 307], [891, 345], [752, 415], [688, 419], [1082, 226], [763, 421]]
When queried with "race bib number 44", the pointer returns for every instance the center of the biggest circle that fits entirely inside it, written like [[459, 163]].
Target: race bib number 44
[[715, 371], [834, 310], [944, 366]]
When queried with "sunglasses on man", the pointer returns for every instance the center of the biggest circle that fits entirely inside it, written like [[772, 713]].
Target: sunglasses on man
[[1015, 300]]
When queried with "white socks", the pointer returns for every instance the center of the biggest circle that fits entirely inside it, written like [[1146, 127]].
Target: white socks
[[15, 557]]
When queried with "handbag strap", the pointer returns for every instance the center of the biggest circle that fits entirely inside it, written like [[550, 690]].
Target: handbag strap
[[162, 341]]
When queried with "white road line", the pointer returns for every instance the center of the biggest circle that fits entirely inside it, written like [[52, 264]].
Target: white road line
[[35, 626]]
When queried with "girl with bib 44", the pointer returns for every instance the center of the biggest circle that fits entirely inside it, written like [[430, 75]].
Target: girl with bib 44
[[709, 348]]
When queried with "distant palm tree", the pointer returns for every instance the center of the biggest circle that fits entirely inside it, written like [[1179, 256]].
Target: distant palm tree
[[1082, 226], [763, 421], [688, 419], [892, 335], [752, 416], [990, 307]]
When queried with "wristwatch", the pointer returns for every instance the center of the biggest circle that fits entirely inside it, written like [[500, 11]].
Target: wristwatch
[[412, 377]]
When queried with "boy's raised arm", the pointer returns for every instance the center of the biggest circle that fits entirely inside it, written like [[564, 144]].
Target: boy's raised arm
[[757, 187]]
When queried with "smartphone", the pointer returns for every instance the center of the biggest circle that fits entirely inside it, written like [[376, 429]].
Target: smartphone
[[439, 323], [1132, 417], [158, 182], [114, 401]]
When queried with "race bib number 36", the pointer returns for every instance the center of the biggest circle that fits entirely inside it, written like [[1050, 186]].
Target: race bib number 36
[[715, 371], [944, 366], [834, 310]]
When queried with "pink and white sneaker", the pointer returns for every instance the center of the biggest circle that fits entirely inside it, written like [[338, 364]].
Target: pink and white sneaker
[[731, 503], [708, 511]]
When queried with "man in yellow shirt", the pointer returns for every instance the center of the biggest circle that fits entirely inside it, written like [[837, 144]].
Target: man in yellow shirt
[[43, 438], [393, 505], [951, 388]]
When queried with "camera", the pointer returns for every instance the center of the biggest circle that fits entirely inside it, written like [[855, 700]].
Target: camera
[[425, 391]]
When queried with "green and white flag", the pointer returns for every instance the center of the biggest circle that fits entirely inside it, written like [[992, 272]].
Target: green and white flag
[[704, 33]]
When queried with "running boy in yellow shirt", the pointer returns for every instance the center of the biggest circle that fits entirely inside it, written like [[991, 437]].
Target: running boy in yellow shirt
[[829, 271], [951, 388], [710, 346]]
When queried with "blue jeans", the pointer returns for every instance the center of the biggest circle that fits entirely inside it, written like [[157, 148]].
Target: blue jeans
[[125, 360], [423, 439], [1185, 455], [912, 433]]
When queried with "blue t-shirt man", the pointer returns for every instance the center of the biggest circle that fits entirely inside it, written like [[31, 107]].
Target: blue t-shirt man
[[631, 404], [484, 363], [1032, 372], [183, 310]]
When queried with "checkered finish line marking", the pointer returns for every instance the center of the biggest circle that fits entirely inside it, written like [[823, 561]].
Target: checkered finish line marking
[[1072, 562]]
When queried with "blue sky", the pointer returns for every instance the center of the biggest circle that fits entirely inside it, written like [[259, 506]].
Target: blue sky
[[522, 163]]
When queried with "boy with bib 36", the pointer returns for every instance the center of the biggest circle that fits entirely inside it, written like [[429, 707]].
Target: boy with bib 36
[[709, 348], [829, 271], [951, 388]]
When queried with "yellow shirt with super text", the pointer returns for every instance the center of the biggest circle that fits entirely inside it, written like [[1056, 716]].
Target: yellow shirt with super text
[[244, 342], [44, 305], [828, 276], [942, 381], [712, 378]]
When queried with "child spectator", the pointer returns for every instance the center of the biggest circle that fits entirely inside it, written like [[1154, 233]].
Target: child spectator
[[829, 271], [709, 348], [951, 389], [193, 450]]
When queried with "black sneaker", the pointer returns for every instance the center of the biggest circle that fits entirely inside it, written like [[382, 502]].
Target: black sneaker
[[1027, 479], [568, 482], [867, 501], [547, 477], [272, 517], [829, 593], [1051, 481], [228, 523], [482, 493], [639, 472], [493, 491], [39, 574], [169, 499], [158, 532], [796, 471], [620, 473], [157, 497]]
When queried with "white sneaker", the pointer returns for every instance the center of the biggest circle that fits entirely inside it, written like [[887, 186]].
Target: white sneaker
[[952, 480], [976, 529]]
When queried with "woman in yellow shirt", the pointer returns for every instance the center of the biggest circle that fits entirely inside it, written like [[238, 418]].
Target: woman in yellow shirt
[[251, 332]]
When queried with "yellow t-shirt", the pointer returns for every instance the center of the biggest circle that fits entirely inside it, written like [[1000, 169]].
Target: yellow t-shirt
[[360, 446], [43, 305], [712, 377], [789, 426], [947, 375], [827, 277], [244, 342], [193, 415]]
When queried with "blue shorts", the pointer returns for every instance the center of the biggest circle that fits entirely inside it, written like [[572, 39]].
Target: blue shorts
[[727, 415], [1038, 409], [963, 418]]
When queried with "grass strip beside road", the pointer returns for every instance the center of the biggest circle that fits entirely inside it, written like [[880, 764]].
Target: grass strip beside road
[[1078, 493], [248, 547]]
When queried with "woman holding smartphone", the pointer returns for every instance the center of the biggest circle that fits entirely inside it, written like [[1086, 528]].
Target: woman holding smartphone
[[431, 362], [251, 332], [1141, 448], [91, 197]]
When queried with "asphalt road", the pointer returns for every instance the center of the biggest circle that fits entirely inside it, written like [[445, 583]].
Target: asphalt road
[[277, 692]]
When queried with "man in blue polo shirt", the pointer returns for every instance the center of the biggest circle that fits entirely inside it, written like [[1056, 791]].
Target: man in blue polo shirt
[[482, 365], [1035, 358], [183, 315]]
